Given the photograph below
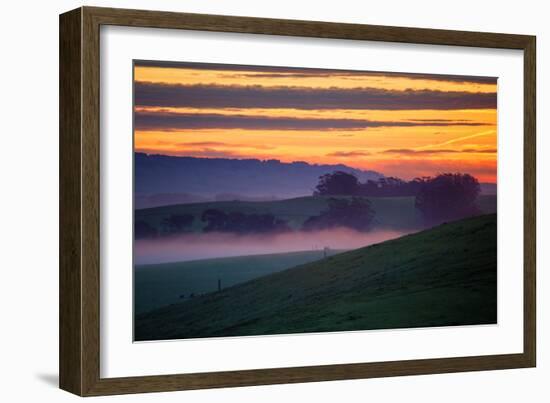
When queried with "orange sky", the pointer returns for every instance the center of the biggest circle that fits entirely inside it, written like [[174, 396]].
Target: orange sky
[[400, 125]]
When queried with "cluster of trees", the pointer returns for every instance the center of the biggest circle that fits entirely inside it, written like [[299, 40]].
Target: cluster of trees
[[177, 223], [215, 221], [391, 187], [172, 225], [343, 183], [445, 197], [448, 197], [240, 223], [144, 230], [355, 213]]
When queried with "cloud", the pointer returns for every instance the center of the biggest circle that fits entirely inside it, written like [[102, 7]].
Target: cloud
[[364, 74], [218, 96], [206, 152], [274, 71], [168, 121], [225, 145], [441, 120], [409, 151], [349, 154], [420, 152], [484, 171], [481, 151]]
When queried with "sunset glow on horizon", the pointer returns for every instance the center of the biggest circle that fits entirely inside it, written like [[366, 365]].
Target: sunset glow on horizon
[[403, 125]]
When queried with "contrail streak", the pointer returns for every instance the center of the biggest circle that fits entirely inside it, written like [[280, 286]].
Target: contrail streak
[[457, 139]]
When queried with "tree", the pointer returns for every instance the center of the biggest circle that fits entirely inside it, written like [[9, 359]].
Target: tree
[[369, 188], [448, 197], [390, 187], [356, 214], [338, 183], [143, 230], [177, 223], [254, 223], [215, 220], [240, 223]]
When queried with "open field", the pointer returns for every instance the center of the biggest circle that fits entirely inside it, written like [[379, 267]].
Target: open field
[[390, 212], [443, 276], [156, 285]]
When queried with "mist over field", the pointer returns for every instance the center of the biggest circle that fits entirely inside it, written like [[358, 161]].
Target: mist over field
[[214, 245]]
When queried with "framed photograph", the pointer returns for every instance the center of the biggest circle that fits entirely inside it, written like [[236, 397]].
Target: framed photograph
[[249, 201]]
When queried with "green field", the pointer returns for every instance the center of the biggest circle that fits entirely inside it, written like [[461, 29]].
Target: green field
[[390, 212], [156, 285], [439, 277]]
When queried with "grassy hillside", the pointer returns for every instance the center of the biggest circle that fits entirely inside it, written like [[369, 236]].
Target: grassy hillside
[[156, 285], [391, 212], [439, 277]]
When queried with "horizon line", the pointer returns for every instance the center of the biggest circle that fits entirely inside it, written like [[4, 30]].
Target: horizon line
[[292, 162]]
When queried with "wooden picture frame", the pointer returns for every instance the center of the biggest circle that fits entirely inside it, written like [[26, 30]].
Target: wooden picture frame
[[79, 346]]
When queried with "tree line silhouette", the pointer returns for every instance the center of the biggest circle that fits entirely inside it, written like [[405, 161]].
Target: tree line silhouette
[[240, 223], [445, 197], [343, 183]]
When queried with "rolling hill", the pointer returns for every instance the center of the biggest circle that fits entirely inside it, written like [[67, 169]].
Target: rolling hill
[[443, 276], [209, 178], [390, 212]]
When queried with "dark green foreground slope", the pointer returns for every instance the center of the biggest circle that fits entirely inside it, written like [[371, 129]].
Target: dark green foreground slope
[[440, 277], [157, 285]]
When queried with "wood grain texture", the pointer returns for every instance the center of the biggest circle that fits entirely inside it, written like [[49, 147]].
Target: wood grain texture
[[90, 202], [304, 374], [80, 201], [316, 29], [70, 274], [530, 200]]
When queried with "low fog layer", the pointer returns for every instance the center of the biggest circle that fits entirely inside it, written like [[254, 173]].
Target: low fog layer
[[215, 245]]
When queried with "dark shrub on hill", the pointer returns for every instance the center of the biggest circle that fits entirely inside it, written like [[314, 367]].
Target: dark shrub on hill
[[355, 213], [177, 223], [143, 230], [240, 223], [390, 187], [337, 183], [215, 219], [448, 197]]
